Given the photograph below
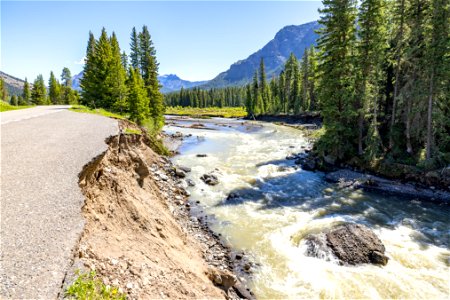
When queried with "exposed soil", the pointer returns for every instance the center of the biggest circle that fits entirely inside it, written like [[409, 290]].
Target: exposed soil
[[139, 235]]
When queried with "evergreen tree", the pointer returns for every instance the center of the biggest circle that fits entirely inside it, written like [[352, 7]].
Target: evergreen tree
[[336, 43], [304, 70], [66, 78], [117, 77], [67, 94], [124, 60], [54, 90], [14, 101], [438, 49], [137, 97], [3, 90], [371, 49], [39, 91], [88, 83], [295, 96], [135, 49], [26, 94], [249, 102], [263, 87], [312, 68], [149, 71], [21, 101]]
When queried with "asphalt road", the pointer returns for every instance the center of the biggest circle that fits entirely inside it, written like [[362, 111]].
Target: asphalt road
[[42, 151]]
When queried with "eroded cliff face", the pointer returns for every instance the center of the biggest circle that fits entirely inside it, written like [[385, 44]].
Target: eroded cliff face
[[132, 237]]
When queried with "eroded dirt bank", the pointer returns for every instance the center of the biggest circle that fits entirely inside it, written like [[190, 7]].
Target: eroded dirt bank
[[138, 234]]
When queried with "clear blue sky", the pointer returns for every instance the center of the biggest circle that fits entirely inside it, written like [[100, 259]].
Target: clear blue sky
[[195, 40]]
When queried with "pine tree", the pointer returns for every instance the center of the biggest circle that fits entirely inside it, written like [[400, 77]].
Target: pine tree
[[117, 77], [66, 87], [39, 91], [304, 70], [249, 101], [135, 50], [371, 49], [399, 29], [138, 102], [54, 90], [66, 77], [88, 83], [336, 43], [296, 99], [26, 94], [14, 101], [312, 69], [263, 89], [149, 71], [414, 88], [438, 46], [290, 68], [3, 90], [124, 60]]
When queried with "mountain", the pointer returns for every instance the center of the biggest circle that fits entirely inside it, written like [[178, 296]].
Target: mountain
[[290, 39], [76, 81], [172, 82], [13, 84]]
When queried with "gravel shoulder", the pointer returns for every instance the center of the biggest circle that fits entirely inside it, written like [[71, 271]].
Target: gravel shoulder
[[42, 151]]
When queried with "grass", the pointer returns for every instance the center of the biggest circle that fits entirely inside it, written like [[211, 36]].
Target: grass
[[156, 143], [132, 131], [89, 287], [98, 111], [224, 112], [6, 106]]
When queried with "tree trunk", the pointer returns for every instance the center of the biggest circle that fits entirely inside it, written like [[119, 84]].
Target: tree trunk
[[408, 126]]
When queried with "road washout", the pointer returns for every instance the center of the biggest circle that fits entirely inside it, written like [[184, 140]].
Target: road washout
[[139, 236]]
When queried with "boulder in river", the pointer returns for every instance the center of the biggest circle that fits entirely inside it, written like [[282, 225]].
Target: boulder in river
[[184, 169], [210, 179], [352, 244], [202, 155], [180, 173]]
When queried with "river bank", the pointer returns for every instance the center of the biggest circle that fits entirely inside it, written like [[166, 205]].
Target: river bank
[[139, 234], [405, 180]]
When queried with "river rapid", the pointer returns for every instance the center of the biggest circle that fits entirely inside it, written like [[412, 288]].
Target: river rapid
[[279, 204]]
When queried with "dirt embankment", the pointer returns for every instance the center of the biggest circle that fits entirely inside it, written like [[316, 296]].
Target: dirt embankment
[[133, 236]]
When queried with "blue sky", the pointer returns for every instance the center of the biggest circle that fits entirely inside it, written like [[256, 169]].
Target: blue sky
[[195, 40]]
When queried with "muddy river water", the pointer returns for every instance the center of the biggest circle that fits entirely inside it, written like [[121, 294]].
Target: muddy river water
[[279, 204]]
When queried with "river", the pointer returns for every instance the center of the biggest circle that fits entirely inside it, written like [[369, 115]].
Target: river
[[279, 205]]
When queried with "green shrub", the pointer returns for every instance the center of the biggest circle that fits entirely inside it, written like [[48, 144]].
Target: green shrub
[[89, 287]]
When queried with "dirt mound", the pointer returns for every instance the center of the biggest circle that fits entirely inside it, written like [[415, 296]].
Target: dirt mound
[[131, 237]]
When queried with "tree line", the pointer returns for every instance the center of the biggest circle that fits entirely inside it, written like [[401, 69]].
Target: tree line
[[292, 92], [214, 97], [58, 92], [121, 83]]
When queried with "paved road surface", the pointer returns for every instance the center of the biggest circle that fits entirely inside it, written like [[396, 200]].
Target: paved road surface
[[42, 151]]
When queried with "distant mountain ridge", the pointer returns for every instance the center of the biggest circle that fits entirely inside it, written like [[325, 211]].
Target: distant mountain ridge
[[172, 82], [13, 84], [169, 83], [290, 39]]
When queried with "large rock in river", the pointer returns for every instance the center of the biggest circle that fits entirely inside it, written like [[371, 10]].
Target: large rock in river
[[352, 244]]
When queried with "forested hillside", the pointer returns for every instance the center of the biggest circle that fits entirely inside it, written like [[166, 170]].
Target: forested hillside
[[380, 77]]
